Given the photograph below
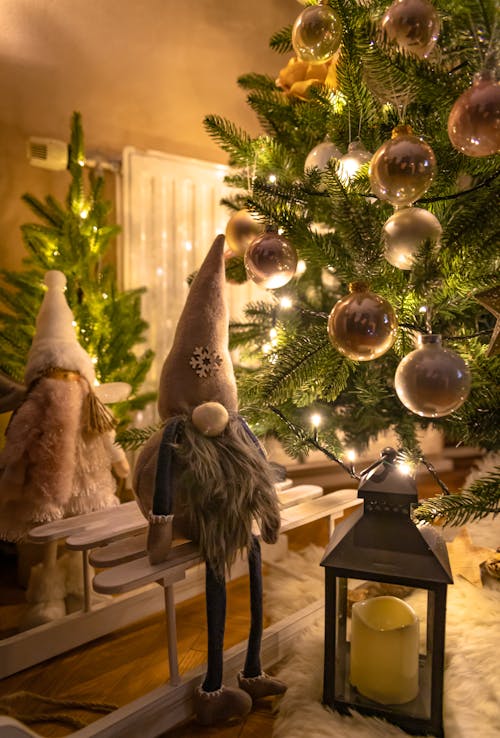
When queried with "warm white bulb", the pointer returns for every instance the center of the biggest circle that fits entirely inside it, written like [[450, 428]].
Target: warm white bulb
[[94, 360], [316, 420], [266, 348], [350, 455], [422, 309], [272, 178], [301, 267], [84, 213], [405, 468], [273, 333], [286, 303]]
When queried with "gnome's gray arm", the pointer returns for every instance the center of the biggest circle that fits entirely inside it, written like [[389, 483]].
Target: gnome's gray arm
[[12, 394]]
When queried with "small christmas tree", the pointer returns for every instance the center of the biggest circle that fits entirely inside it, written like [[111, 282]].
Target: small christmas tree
[[74, 238], [414, 233]]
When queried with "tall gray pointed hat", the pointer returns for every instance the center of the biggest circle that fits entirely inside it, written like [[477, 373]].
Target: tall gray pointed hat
[[198, 367]]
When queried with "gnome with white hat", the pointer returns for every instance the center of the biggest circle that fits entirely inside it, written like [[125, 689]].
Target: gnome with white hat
[[59, 447], [204, 476]]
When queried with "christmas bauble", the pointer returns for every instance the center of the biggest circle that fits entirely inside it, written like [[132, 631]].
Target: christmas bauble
[[474, 121], [405, 232], [210, 418], [241, 230], [320, 156], [316, 34], [352, 162], [270, 260], [432, 381], [413, 25], [362, 325], [403, 168]]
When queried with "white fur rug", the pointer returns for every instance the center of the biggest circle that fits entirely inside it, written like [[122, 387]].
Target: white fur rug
[[471, 682]]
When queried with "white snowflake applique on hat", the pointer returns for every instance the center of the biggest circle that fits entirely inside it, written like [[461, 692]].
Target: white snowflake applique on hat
[[204, 361]]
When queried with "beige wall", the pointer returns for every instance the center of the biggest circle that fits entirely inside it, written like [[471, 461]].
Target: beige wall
[[141, 72]]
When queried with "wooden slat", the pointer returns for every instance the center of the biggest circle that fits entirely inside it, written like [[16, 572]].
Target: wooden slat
[[298, 494], [70, 526], [119, 552], [99, 535]]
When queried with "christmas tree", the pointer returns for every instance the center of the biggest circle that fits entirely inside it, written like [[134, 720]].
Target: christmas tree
[[74, 238], [378, 172]]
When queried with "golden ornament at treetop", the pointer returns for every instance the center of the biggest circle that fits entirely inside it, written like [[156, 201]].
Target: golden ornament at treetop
[[298, 77]]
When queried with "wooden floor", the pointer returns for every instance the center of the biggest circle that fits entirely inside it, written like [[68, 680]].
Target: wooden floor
[[129, 663]]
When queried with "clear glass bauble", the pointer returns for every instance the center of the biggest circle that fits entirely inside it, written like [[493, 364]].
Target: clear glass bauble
[[405, 232], [432, 381], [413, 25], [362, 325], [474, 120], [353, 160], [270, 260], [316, 34], [241, 229], [320, 156], [403, 168]]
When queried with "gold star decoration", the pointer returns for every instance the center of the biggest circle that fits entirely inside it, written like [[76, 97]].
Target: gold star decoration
[[466, 558], [490, 299]]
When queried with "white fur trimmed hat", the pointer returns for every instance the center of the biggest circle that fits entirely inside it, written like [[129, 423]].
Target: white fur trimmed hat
[[55, 344]]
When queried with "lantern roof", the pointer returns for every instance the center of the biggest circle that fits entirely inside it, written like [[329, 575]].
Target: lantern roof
[[381, 542]]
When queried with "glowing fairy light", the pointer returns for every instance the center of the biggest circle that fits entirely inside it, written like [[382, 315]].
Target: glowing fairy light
[[105, 295], [272, 178], [286, 303], [94, 360], [301, 267], [266, 348], [81, 161], [273, 333], [405, 468], [422, 309], [350, 455], [73, 323], [316, 420]]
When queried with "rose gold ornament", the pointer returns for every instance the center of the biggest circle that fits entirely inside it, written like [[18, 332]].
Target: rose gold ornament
[[405, 232], [241, 229], [362, 325], [432, 381], [316, 34], [270, 260], [403, 168], [413, 25], [474, 121]]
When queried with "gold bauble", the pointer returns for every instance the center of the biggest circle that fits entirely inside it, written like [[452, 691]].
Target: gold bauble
[[405, 232], [413, 25], [432, 381], [474, 121], [316, 34], [403, 168], [241, 230], [362, 325], [270, 260]]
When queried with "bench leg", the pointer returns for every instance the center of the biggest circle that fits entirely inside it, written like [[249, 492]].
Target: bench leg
[[171, 634], [86, 581]]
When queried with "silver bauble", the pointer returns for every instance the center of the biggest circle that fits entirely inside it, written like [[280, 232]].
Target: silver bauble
[[403, 168], [316, 34], [352, 162], [413, 25], [270, 260], [320, 156], [474, 121], [432, 381], [405, 232]]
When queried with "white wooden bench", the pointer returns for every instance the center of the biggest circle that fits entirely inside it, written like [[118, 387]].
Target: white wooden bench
[[114, 541]]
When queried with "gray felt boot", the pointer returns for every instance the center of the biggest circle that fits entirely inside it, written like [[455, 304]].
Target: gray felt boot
[[224, 704], [261, 686], [159, 537]]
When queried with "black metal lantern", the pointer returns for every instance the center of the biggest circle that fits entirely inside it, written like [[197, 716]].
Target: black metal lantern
[[376, 662]]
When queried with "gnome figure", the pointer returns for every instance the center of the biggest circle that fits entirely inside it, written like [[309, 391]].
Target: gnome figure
[[204, 476], [59, 447]]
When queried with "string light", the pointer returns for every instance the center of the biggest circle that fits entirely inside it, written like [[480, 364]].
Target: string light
[[84, 213], [266, 348], [351, 455], [405, 468], [286, 303], [73, 323], [316, 420], [273, 333], [94, 360], [105, 295], [272, 178], [301, 267], [422, 309]]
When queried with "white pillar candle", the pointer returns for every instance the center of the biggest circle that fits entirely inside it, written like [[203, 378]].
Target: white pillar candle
[[384, 650]]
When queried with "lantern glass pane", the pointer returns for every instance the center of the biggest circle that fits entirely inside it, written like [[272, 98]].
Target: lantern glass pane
[[383, 647]]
